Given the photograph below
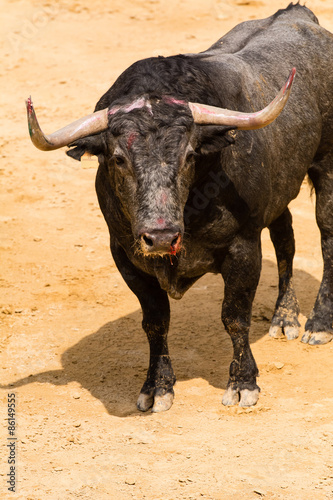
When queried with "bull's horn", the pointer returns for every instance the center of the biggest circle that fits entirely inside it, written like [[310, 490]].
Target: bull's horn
[[211, 115], [88, 125]]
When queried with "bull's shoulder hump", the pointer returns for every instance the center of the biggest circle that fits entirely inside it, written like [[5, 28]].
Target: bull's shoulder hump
[[242, 34]]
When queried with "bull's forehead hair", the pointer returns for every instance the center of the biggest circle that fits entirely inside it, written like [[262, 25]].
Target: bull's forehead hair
[[152, 137], [147, 115]]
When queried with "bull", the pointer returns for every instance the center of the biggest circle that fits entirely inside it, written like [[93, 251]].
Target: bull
[[193, 164]]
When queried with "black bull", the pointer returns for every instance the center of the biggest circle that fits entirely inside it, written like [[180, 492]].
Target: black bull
[[185, 194]]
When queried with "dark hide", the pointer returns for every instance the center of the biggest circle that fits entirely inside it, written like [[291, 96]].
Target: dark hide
[[181, 200]]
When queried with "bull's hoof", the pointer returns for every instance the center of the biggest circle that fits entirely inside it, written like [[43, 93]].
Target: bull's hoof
[[243, 397], [145, 401], [249, 398], [317, 338], [230, 397], [157, 402], [290, 332], [163, 403], [275, 332]]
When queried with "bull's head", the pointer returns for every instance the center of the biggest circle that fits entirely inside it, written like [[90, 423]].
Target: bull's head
[[149, 149]]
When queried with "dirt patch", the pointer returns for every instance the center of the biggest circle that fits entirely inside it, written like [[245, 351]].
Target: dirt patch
[[71, 343]]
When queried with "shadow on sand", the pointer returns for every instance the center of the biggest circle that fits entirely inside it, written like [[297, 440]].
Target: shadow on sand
[[112, 362]]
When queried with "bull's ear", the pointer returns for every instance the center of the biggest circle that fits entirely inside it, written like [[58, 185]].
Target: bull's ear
[[94, 144], [211, 138]]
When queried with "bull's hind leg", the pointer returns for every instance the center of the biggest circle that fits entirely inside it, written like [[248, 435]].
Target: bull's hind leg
[[286, 312], [157, 391], [319, 326]]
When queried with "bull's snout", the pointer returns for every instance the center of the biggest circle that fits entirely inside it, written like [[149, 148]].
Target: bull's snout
[[160, 242]]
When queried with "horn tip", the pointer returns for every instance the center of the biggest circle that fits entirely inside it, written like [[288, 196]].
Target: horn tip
[[29, 105], [290, 80]]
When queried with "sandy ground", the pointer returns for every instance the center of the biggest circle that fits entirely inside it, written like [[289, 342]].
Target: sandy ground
[[72, 350]]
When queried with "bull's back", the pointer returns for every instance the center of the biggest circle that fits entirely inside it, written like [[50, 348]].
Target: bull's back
[[248, 66]]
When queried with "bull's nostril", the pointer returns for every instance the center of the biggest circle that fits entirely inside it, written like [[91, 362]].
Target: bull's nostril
[[174, 241], [148, 241], [160, 242]]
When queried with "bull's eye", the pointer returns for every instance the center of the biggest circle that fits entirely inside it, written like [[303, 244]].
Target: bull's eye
[[191, 156], [119, 161]]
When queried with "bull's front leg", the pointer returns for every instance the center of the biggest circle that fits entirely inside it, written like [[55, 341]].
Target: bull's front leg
[[157, 391], [241, 272]]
